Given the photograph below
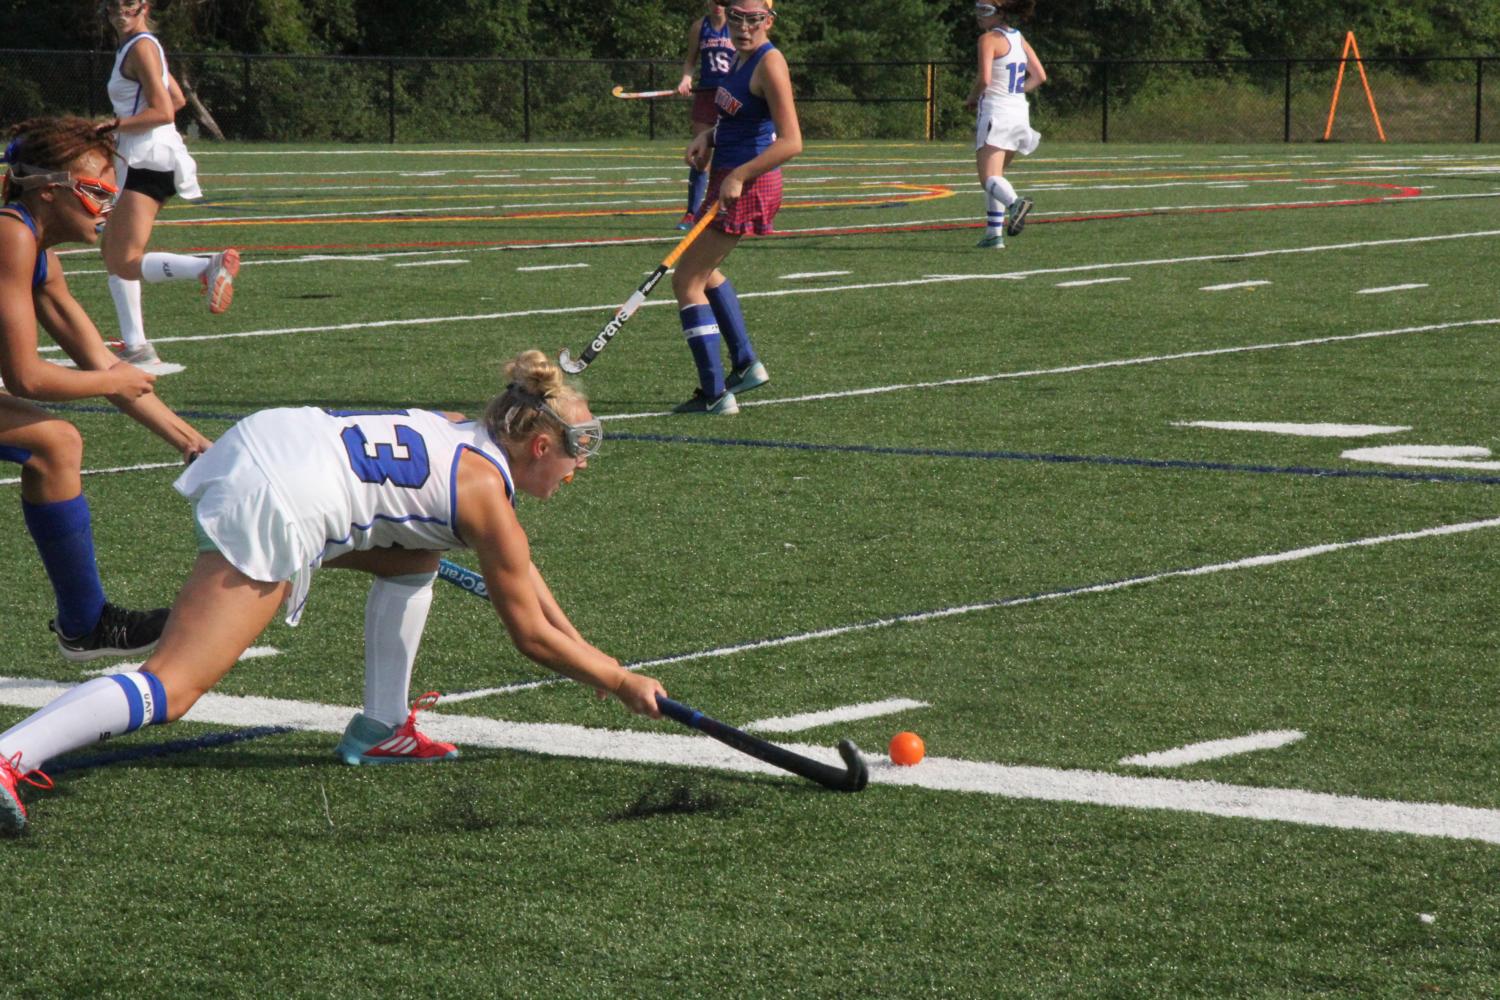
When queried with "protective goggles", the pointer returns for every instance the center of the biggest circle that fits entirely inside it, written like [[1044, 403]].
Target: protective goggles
[[97, 195], [126, 7], [748, 18], [985, 10], [580, 440]]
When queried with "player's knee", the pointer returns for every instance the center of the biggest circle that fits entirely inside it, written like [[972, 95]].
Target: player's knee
[[56, 449]]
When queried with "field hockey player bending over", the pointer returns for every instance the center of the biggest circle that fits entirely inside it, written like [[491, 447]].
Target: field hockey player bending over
[[288, 490], [756, 133]]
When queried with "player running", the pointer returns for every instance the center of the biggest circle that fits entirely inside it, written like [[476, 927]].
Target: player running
[[153, 165], [288, 490], [1008, 71]]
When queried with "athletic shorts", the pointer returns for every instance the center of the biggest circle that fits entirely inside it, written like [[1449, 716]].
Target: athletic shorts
[[159, 185], [705, 112], [752, 215], [1004, 128]]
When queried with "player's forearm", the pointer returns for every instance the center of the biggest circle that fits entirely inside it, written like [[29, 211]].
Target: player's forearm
[[158, 418]]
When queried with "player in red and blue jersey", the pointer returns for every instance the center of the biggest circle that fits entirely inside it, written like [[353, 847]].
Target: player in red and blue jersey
[[57, 188], [711, 50], [757, 132]]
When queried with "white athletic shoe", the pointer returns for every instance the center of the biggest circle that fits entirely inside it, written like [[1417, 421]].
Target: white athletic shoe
[[218, 280]]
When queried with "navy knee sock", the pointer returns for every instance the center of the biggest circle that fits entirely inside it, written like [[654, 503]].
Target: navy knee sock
[[702, 335], [726, 307], [65, 542]]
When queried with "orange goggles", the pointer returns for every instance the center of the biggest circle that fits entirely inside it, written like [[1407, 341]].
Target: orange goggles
[[97, 195]]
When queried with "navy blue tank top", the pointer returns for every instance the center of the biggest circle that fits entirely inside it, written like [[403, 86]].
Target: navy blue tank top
[[715, 54], [745, 127], [39, 272]]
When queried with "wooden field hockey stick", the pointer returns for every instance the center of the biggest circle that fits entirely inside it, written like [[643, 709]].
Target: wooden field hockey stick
[[640, 95], [600, 342]]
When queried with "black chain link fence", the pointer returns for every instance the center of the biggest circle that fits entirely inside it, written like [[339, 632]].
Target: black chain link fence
[[330, 99]]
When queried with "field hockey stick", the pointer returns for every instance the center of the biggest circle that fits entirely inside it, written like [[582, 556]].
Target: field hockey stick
[[637, 297], [463, 578], [640, 95], [853, 778]]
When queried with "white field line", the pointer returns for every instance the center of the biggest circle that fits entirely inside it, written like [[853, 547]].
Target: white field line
[[1089, 281], [550, 267], [1194, 753], [814, 274], [104, 472], [1296, 430], [609, 308], [1387, 288], [1426, 456], [847, 713], [429, 263], [1232, 285], [1425, 819], [1249, 562], [253, 653]]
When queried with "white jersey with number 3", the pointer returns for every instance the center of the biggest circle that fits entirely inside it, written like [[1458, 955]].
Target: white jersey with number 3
[[285, 490]]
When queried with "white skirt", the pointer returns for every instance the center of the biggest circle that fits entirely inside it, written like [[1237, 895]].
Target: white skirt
[[252, 524], [1006, 126], [160, 149]]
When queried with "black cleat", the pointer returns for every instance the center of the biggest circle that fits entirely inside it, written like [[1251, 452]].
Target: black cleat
[[118, 632]]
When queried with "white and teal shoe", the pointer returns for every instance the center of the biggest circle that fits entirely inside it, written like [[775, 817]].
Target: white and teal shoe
[[751, 376], [368, 741], [723, 405], [992, 241]]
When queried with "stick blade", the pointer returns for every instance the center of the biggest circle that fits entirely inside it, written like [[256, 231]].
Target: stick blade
[[566, 363], [859, 774], [618, 90]]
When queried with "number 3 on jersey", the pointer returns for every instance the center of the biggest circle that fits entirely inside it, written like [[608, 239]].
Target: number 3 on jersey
[[403, 463]]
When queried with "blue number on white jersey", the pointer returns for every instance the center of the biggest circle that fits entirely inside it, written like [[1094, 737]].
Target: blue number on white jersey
[[382, 463], [1017, 82]]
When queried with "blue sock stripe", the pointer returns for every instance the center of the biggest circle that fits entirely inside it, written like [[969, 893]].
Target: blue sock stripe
[[158, 698], [133, 699]]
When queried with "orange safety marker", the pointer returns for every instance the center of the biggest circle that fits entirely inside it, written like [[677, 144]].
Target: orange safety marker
[[1350, 45]]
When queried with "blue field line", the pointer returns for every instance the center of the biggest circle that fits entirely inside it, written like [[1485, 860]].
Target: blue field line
[[1169, 464], [150, 750], [1175, 464]]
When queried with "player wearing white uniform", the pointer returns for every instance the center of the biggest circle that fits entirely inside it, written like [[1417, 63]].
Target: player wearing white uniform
[[153, 164], [1008, 71], [285, 491]]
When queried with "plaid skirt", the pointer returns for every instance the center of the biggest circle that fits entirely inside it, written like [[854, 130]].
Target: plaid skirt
[[705, 111], [752, 215]]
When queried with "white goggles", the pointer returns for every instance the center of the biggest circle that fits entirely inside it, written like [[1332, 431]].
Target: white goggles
[[985, 10]]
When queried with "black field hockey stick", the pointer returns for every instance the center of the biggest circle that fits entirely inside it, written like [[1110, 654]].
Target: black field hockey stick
[[600, 342], [852, 778], [641, 95]]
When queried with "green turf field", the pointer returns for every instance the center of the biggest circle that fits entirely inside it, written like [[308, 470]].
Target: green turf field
[[980, 481]]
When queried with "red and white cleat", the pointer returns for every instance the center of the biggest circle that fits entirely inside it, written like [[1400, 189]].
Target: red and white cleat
[[218, 280], [12, 811], [367, 741]]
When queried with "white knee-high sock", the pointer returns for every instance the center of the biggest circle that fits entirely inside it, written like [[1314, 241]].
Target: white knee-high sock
[[159, 267], [94, 710], [127, 296], [395, 615], [999, 188]]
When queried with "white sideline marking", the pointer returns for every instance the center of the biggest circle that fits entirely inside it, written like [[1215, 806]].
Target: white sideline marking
[[1429, 456], [1387, 288], [1249, 562], [1298, 430], [1287, 805], [848, 713], [1194, 753], [429, 263], [1089, 281], [253, 653], [609, 308], [814, 274], [1233, 284], [550, 267], [118, 468]]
